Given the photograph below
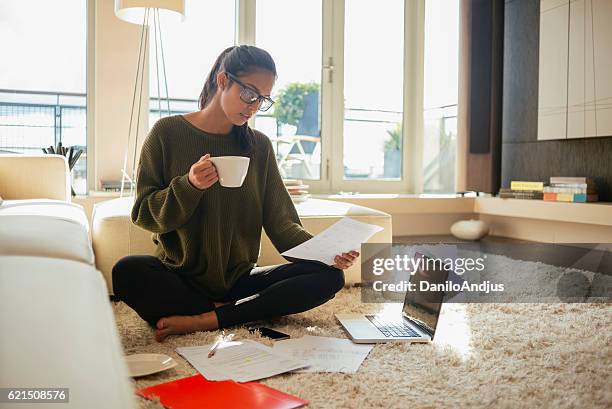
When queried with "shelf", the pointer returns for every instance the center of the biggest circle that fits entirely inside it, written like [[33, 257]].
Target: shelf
[[599, 213]]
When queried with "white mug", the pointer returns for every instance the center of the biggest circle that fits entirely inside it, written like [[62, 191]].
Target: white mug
[[232, 170]]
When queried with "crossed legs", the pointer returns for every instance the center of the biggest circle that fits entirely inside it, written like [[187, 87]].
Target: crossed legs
[[174, 305]]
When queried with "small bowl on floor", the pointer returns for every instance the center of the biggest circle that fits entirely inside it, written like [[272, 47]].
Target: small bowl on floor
[[147, 364]]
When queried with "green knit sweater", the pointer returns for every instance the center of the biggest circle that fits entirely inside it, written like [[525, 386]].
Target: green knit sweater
[[211, 236]]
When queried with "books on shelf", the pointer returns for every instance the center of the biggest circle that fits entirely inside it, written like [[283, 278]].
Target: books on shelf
[[560, 189], [571, 189], [582, 189], [527, 186], [297, 190], [505, 193], [571, 197], [571, 180]]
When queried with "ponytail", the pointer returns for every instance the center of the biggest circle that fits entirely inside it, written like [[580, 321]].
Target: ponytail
[[210, 86]]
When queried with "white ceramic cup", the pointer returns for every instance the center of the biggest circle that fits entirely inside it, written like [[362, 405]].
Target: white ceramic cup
[[232, 170]]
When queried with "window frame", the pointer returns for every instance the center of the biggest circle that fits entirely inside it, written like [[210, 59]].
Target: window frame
[[414, 18], [90, 89], [332, 98]]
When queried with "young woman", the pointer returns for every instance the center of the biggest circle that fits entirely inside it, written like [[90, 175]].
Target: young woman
[[208, 236]]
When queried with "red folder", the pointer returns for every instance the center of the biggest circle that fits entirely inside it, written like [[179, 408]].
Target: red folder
[[195, 392]]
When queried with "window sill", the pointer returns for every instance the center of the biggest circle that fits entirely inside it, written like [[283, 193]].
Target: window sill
[[407, 203]]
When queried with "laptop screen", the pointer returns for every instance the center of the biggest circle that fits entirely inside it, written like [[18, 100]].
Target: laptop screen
[[422, 304]]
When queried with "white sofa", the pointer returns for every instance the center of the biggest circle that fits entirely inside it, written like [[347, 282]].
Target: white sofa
[[58, 329], [115, 236]]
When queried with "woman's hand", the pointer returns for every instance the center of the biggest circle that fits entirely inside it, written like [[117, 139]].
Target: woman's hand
[[203, 173], [345, 260]]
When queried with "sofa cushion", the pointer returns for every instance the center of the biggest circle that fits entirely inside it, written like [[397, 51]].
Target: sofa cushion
[[67, 338], [49, 228], [34, 176], [57, 209]]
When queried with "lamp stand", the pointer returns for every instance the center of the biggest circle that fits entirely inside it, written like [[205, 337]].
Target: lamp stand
[[129, 175]]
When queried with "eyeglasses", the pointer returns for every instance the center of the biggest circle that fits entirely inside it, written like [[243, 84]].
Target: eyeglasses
[[250, 96]]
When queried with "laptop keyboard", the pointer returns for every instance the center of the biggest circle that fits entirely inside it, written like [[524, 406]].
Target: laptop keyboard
[[392, 328]]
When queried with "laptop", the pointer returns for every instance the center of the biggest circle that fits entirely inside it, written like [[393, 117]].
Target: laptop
[[418, 319]]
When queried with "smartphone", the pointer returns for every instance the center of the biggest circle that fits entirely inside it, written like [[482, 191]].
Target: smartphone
[[270, 333]]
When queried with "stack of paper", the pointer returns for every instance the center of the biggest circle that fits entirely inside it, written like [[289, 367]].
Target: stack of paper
[[324, 354], [241, 361]]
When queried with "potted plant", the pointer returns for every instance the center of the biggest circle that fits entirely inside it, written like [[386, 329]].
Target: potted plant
[[297, 104]]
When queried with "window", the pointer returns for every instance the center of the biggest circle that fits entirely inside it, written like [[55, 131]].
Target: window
[[441, 95], [190, 48], [42, 79], [373, 89], [294, 123], [366, 92]]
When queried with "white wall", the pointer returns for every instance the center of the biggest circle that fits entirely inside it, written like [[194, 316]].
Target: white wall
[[116, 45]]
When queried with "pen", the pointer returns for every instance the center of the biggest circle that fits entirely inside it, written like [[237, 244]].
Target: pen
[[220, 339]]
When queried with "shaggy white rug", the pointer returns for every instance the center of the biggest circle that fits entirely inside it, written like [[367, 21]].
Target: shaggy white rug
[[484, 355]]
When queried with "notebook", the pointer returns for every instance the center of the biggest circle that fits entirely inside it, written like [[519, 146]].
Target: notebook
[[195, 392]]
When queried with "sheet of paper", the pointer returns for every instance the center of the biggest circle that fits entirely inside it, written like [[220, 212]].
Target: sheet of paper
[[325, 354], [241, 361], [341, 237]]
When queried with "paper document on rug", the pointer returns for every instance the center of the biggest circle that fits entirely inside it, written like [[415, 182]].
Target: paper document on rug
[[325, 354], [241, 361], [341, 237]]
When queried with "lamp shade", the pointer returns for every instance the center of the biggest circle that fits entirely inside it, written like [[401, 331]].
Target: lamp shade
[[133, 11]]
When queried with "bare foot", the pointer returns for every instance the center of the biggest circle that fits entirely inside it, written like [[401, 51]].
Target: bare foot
[[183, 324]]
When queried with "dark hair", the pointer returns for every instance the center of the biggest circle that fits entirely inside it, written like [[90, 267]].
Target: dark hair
[[237, 60]]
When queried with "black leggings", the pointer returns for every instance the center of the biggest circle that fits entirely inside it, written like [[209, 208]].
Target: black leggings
[[148, 287]]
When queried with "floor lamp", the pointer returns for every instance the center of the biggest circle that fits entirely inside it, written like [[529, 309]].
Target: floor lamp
[[145, 13]]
